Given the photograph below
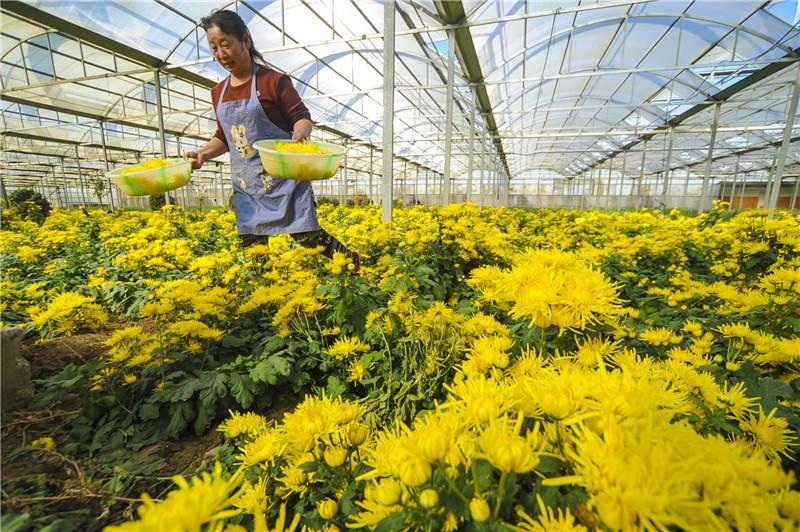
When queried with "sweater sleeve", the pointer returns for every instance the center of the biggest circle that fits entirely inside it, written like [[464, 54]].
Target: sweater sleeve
[[293, 107]]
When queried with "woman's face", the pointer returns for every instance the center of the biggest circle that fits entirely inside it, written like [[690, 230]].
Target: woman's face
[[231, 53]]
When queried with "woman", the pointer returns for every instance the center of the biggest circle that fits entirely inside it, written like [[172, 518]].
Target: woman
[[253, 103]]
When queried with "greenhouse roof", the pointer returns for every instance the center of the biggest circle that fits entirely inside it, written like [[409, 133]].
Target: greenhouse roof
[[558, 86]]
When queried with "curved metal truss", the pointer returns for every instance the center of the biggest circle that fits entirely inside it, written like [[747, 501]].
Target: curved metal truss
[[494, 101]]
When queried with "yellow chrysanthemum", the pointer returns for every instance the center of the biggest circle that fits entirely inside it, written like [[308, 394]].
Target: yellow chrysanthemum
[[347, 346]]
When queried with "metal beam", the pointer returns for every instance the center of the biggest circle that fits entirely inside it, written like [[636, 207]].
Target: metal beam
[[45, 19], [737, 153], [720, 96], [791, 115], [388, 111], [470, 164], [448, 128], [452, 12], [711, 143], [86, 35]]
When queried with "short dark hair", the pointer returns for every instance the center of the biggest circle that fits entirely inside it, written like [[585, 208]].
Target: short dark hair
[[230, 23]]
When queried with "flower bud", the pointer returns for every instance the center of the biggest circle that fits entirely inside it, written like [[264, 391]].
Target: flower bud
[[335, 456], [479, 509], [388, 492], [434, 446], [358, 434], [327, 509], [429, 498], [415, 473]]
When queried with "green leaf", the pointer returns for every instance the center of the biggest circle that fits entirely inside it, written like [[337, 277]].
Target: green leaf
[[335, 386], [270, 369], [273, 344], [549, 465], [182, 391], [205, 415], [59, 525], [14, 523], [300, 380], [181, 414], [213, 388], [56, 387], [233, 341], [795, 323], [346, 500], [483, 474], [393, 522], [242, 389], [769, 390], [148, 411], [282, 365]]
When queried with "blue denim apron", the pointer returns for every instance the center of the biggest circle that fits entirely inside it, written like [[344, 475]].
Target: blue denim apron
[[264, 205]]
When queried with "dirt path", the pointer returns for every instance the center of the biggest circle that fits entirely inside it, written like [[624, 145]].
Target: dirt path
[[54, 488]]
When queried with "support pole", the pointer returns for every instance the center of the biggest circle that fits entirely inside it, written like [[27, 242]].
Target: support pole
[[491, 183], [388, 110], [686, 185], [105, 163], [621, 192], [667, 172], [641, 176], [55, 186], [794, 193], [220, 194], [3, 191], [744, 187], [710, 159], [470, 165], [768, 187], [481, 180], [80, 176], [498, 182], [733, 185], [344, 177], [405, 187], [787, 133], [161, 135], [506, 181], [448, 128], [371, 173]]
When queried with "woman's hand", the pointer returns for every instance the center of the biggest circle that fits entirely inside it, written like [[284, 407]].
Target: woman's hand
[[301, 130], [214, 148], [197, 158]]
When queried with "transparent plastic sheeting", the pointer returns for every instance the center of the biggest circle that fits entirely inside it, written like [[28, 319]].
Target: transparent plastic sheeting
[[568, 83]]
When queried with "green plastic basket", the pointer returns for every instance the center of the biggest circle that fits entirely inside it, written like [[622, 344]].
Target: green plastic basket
[[154, 181], [300, 166]]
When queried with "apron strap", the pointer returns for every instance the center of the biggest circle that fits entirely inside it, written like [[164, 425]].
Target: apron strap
[[252, 86]]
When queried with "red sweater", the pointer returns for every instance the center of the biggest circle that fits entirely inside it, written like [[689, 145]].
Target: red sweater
[[278, 97]]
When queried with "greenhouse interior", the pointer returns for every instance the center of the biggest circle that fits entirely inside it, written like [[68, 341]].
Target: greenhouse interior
[[548, 278]]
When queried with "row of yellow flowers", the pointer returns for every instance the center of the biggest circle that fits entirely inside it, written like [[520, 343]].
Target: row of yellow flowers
[[635, 370]]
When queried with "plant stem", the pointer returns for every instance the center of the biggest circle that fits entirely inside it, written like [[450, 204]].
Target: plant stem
[[541, 342], [501, 490], [453, 487]]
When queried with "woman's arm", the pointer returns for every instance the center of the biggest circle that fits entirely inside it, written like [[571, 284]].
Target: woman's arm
[[301, 130], [214, 148]]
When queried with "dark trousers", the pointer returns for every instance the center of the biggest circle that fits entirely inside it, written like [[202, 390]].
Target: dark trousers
[[307, 239]]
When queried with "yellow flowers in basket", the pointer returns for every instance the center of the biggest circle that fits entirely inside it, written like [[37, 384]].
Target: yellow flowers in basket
[[147, 165], [300, 147]]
